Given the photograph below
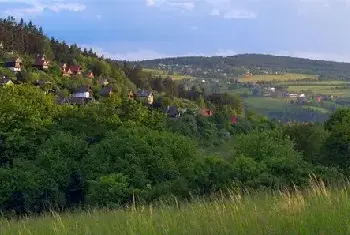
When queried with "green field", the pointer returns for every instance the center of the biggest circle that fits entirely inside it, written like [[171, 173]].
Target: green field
[[314, 211], [268, 103], [278, 77], [164, 74]]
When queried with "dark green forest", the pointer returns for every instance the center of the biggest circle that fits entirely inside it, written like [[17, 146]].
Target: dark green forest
[[117, 149]]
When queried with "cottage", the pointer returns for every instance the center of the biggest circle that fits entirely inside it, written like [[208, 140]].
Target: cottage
[[71, 70], [145, 96], [76, 69], [172, 111], [5, 81], [90, 74], [103, 81], [106, 91], [131, 95], [14, 65], [61, 100], [66, 70], [41, 62], [82, 92]]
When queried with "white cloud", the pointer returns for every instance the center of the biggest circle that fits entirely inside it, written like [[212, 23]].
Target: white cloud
[[215, 12], [239, 14], [36, 7], [150, 2], [172, 4]]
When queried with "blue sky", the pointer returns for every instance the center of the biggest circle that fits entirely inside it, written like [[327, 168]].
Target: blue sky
[[146, 29]]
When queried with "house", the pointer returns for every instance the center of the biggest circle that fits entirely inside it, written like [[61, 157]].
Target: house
[[5, 81], [131, 95], [71, 70], [76, 69], [82, 92], [61, 100], [14, 65], [145, 96], [234, 120], [206, 112], [103, 81], [106, 91], [66, 70], [41, 62], [90, 74], [293, 95], [172, 111]]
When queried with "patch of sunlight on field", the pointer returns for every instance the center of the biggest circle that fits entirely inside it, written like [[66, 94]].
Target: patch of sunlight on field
[[278, 77], [313, 211], [164, 74], [318, 109], [324, 90]]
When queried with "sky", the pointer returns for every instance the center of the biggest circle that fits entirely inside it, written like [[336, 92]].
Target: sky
[[148, 29]]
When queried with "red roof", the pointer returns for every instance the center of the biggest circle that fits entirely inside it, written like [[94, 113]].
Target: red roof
[[75, 69], [206, 112], [234, 120]]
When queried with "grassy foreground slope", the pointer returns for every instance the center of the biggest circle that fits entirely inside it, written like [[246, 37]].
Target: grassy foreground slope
[[316, 211]]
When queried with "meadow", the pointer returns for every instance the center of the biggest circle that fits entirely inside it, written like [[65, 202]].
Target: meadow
[[317, 210], [268, 103], [164, 74], [277, 77]]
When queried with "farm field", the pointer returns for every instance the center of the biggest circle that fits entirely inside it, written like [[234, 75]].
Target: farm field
[[321, 90], [314, 211], [278, 77]]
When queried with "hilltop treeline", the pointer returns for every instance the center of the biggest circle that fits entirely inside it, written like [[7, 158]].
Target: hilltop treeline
[[256, 63], [118, 149]]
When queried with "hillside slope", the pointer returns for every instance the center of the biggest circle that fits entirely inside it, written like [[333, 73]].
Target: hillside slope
[[258, 63]]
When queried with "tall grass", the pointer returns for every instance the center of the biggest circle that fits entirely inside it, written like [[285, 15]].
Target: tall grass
[[314, 211]]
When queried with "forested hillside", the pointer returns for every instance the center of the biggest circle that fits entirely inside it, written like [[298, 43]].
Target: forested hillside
[[96, 133], [256, 63]]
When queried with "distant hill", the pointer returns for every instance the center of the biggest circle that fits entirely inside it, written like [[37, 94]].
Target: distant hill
[[255, 63]]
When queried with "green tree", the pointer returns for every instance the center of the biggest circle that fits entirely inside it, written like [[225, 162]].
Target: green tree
[[110, 190]]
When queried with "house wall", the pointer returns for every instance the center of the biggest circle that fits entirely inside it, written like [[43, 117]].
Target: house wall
[[14, 69], [81, 95], [150, 99]]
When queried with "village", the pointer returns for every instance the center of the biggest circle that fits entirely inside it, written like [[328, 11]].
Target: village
[[84, 94]]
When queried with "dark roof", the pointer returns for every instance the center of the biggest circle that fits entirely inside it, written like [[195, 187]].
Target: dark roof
[[15, 59], [80, 100], [106, 90], [75, 69], [41, 82], [82, 89], [4, 79], [172, 111], [144, 93], [61, 100]]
